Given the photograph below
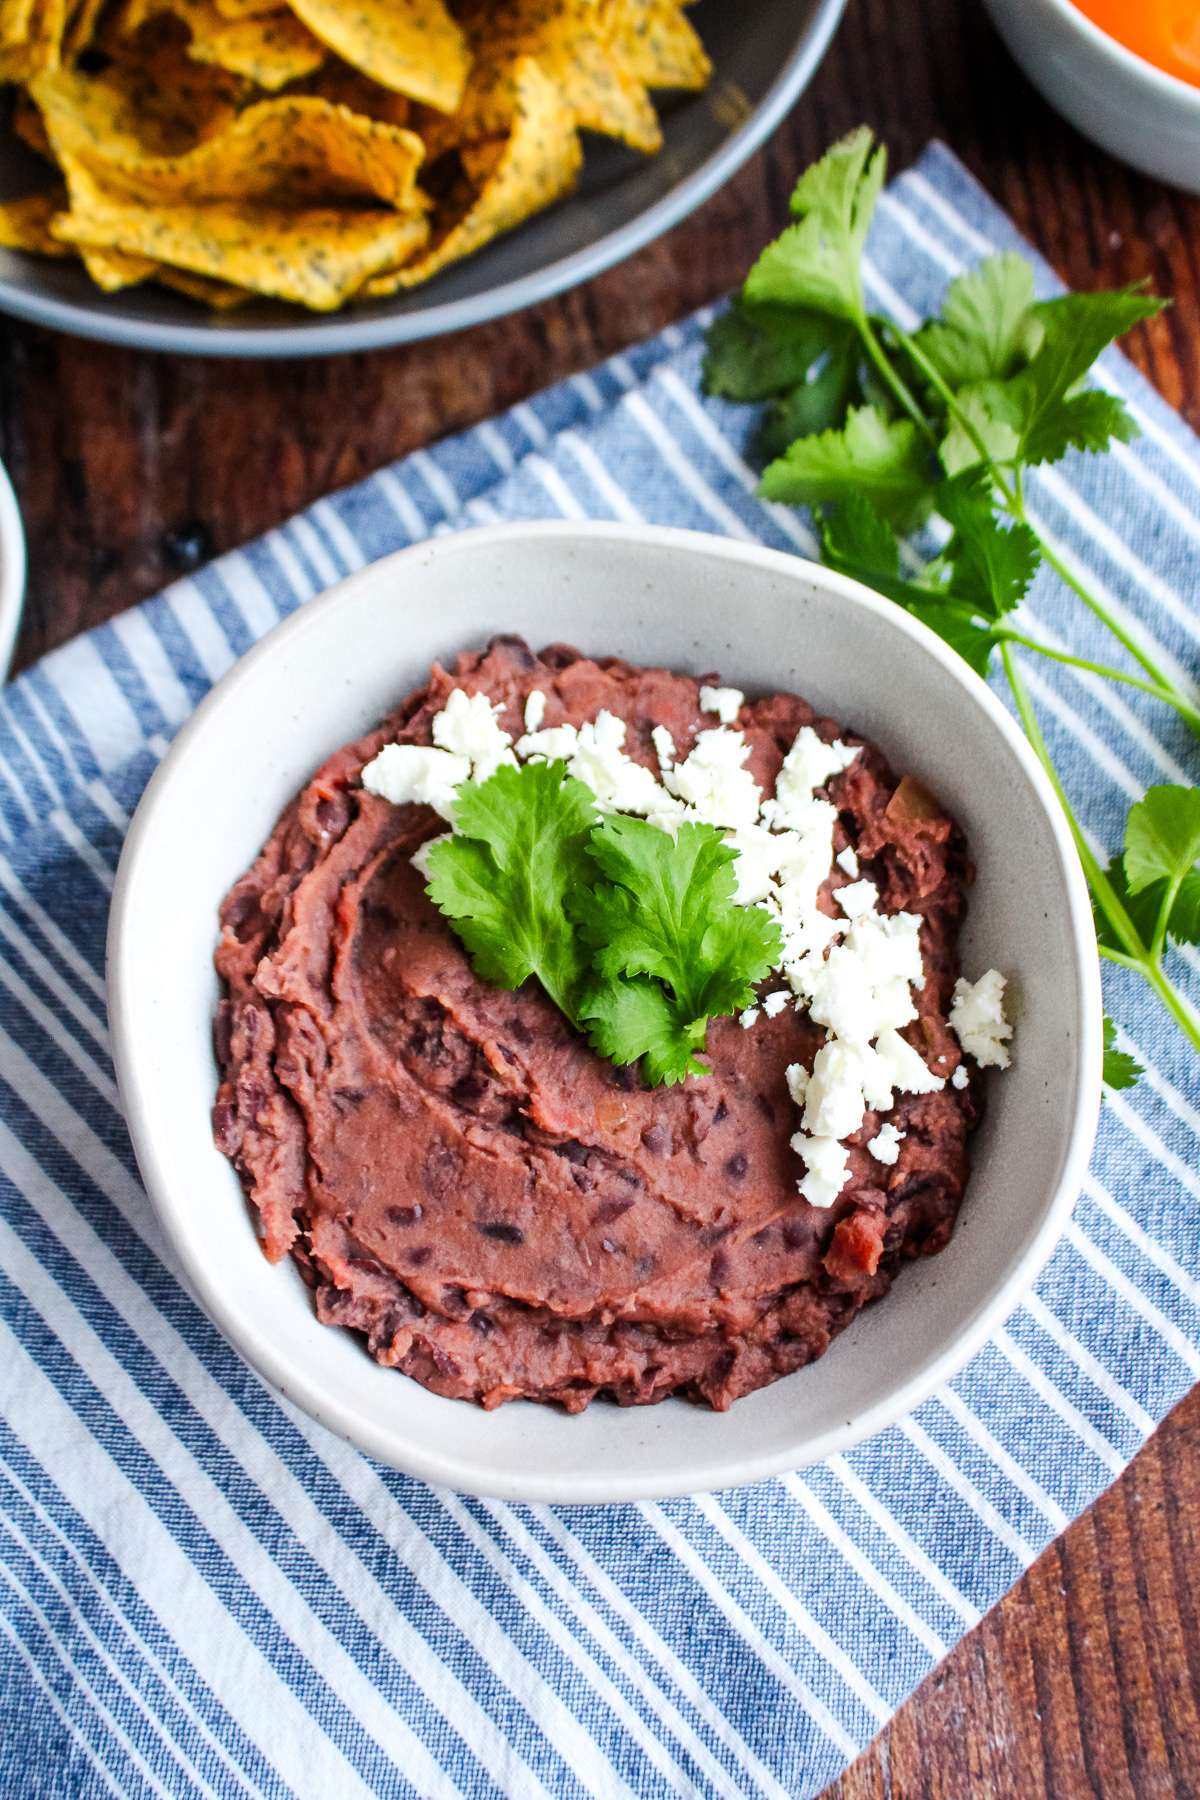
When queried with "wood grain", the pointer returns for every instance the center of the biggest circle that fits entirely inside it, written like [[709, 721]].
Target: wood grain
[[132, 468]]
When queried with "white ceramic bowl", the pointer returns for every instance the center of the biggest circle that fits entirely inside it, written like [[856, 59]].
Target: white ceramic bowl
[[12, 570], [1143, 115], [764, 620]]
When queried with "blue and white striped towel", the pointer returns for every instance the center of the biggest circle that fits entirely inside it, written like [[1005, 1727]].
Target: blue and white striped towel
[[201, 1593]]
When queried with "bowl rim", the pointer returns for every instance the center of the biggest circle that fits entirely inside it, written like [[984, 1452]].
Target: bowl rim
[[602, 1487], [1128, 61], [13, 569], [100, 319]]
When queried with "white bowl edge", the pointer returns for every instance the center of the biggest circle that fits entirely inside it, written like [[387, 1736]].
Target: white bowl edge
[[13, 569], [256, 1346]]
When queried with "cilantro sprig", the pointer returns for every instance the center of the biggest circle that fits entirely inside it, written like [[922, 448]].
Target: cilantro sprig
[[634, 934], [879, 430]]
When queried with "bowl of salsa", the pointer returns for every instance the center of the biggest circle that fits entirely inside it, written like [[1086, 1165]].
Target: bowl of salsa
[[1125, 72]]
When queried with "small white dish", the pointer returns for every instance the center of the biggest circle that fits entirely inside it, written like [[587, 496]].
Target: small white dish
[[12, 570], [765, 620], [1122, 102]]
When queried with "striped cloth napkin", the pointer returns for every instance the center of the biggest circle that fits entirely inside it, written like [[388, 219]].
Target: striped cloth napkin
[[201, 1592]]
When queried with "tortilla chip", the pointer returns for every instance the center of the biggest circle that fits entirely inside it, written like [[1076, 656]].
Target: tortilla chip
[[222, 296], [657, 44], [288, 151], [82, 20], [25, 224], [16, 23], [40, 48], [413, 46], [480, 161], [270, 49], [112, 270], [570, 40], [343, 86], [157, 107], [317, 257], [540, 163]]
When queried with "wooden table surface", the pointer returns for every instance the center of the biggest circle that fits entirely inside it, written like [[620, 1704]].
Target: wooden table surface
[[131, 468]]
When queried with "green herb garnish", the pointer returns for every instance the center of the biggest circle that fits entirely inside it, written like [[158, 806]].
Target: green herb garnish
[[878, 429], [634, 934]]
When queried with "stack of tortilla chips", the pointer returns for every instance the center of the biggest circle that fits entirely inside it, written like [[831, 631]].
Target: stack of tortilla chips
[[318, 151]]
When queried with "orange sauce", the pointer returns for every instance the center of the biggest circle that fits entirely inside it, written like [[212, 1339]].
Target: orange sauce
[[1164, 32]]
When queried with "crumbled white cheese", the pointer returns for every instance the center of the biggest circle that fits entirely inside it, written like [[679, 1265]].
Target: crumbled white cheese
[[886, 1147], [847, 861], [535, 709], [758, 857], [835, 1105], [725, 702], [960, 1079], [467, 726], [857, 897], [906, 1067], [664, 747], [827, 1163], [413, 774], [746, 1019], [713, 784], [553, 743], [797, 1081], [977, 1019], [420, 857], [808, 765], [774, 1003], [600, 762]]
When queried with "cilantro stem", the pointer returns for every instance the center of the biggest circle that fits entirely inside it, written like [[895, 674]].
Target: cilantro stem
[[1066, 573], [1135, 956], [892, 378], [1189, 713], [949, 399]]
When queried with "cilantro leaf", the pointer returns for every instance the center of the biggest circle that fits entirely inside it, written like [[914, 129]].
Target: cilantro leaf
[[884, 459], [1120, 1069], [986, 328], [1036, 416], [666, 910], [818, 404], [638, 1021], [504, 878], [816, 263], [992, 565], [857, 541], [756, 351], [1142, 908], [1162, 836]]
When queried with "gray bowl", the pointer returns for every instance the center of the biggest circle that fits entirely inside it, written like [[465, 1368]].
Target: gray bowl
[[764, 55]]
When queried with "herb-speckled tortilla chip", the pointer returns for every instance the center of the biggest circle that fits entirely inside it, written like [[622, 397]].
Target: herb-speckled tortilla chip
[[112, 270], [317, 257], [343, 86], [291, 151], [157, 107], [480, 161], [413, 46], [16, 23], [540, 162], [25, 223], [269, 49], [246, 9], [657, 43], [40, 47], [571, 42]]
